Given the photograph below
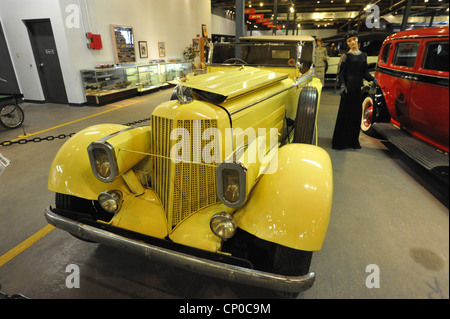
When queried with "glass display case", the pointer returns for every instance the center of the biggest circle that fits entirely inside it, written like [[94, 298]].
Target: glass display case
[[148, 77], [105, 85], [173, 70], [157, 75]]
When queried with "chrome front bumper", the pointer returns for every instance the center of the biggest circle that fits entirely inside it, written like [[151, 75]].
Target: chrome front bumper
[[199, 265]]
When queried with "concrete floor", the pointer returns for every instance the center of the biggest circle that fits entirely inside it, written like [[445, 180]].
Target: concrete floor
[[387, 211]]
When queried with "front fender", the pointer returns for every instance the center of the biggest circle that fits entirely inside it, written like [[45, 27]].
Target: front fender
[[292, 206], [71, 173]]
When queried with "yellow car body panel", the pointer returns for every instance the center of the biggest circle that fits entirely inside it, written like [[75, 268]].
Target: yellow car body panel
[[292, 73], [195, 230], [296, 217], [130, 146], [142, 214], [235, 82]]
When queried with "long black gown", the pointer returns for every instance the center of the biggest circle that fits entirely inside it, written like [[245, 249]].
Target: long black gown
[[352, 70]]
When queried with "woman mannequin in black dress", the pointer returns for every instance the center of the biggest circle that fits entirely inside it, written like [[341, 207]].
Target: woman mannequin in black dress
[[352, 70]]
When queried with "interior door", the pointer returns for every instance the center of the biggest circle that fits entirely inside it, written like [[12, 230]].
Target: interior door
[[6, 68], [47, 61]]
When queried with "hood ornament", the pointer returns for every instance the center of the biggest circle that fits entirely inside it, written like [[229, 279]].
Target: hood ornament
[[183, 94]]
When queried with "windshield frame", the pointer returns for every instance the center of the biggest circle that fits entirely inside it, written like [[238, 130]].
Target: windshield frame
[[297, 60]]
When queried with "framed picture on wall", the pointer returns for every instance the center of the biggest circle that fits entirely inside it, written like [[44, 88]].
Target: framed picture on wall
[[196, 45], [204, 32], [123, 44], [162, 49], [143, 49]]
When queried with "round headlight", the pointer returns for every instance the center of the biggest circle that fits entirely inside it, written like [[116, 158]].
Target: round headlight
[[231, 185], [223, 225], [102, 164], [110, 201]]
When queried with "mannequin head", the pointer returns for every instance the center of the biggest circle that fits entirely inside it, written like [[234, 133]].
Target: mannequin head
[[319, 42], [352, 40]]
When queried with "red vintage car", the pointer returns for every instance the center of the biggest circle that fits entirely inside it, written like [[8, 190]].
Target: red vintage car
[[411, 102]]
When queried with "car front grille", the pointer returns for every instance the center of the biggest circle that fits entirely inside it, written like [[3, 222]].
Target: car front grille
[[187, 186]]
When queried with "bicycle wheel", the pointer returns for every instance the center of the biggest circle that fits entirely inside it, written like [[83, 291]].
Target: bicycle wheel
[[11, 115]]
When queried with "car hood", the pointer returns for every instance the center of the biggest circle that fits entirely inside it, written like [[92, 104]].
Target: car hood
[[233, 82]]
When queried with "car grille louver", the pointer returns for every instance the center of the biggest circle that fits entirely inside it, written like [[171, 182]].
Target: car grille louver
[[185, 187]]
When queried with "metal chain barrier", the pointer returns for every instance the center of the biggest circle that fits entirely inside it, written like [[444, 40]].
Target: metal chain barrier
[[60, 136]]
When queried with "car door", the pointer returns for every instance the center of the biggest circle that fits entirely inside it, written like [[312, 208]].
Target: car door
[[429, 100], [403, 69]]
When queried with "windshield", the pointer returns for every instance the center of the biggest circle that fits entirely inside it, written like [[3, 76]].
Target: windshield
[[263, 54]]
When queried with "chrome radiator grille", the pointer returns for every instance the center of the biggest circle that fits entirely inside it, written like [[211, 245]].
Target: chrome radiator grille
[[184, 187]]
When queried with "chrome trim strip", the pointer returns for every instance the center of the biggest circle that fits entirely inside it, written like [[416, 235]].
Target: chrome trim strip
[[301, 80], [414, 76], [198, 265]]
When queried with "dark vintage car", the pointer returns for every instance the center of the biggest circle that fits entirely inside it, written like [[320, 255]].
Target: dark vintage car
[[411, 103]]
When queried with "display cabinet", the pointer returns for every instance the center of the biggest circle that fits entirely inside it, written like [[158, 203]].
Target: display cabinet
[[174, 70], [157, 75], [148, 77], [106, 85]]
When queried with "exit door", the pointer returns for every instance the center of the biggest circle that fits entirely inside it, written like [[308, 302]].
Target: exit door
[[47, 61]]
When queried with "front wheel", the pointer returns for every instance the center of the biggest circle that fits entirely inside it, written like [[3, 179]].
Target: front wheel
[[290, 262], [81, 208], [11, 116]]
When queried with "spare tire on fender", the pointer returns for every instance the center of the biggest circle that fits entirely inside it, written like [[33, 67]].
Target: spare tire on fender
[[305, 122]]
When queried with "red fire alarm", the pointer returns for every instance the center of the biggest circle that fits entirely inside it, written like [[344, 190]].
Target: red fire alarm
[[96, 41]]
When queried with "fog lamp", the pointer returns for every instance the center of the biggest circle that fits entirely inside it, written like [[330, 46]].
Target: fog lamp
[[223, 225], [110, 201]]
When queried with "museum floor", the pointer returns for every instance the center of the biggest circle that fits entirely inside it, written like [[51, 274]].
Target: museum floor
[[387, 211]]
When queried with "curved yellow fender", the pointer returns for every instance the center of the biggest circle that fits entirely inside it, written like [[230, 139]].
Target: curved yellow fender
[[292, 206], [71, 172]]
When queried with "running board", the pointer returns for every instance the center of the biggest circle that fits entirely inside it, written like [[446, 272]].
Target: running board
[[433, 159]]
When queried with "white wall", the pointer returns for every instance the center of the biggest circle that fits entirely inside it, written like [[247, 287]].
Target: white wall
[[221, 25], [175, 22]]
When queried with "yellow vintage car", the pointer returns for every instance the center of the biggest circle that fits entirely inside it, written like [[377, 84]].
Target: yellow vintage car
[[227, 180]]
